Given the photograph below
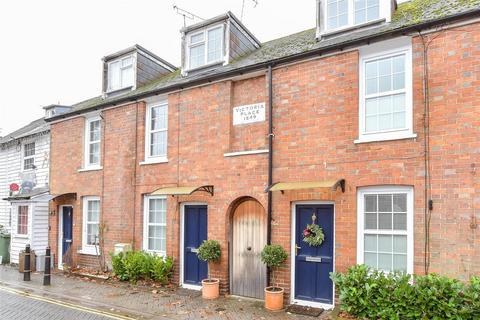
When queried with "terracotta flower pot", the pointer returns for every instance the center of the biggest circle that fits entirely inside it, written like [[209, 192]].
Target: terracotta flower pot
[[210, 288], [274, 298]]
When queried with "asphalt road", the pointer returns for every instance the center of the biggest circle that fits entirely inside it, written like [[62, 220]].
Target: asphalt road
[[15, 305]]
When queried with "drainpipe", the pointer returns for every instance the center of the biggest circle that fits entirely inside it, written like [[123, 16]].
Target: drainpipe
[[270, 153]]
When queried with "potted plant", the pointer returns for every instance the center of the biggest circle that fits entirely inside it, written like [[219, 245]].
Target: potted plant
[[210, 251], [273, 256]]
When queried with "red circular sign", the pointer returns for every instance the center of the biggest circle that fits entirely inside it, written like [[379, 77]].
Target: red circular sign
[[14, 187]]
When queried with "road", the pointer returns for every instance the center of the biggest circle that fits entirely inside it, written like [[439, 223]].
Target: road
[[16, 304]]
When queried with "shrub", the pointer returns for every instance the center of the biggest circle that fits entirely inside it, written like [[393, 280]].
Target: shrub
[[209, 251], [273, 256], [135, 265], [372, 294]]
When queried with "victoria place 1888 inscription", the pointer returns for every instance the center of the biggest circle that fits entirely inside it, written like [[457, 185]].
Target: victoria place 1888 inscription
[[249, 113]]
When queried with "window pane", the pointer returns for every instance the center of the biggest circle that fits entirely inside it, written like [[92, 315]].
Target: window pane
[[197, 56], [114, 75], [385, 243], [94, 157], [385, 202], [385, 83], [399, 221], [158, 146], [196, 38], [400, 244], [400, 202], [398, 63], [29, 149], [400, 262], [127, 62], [372, 86], [370, 221], [92, 234], [385, 121], [157, 213], [385, 262], [95, 130], [385, 67], [127, 77], [159, 118], [370, 259], [399, 102], [214, 47], [370, 243], [337, 13], [398, 81], [371, 123], [360, 16], [28, 163], [370, 203], [372, 13], [385, 221]]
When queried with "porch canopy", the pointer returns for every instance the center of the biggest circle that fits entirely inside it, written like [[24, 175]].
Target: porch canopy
[[326, 184], [182, 191]]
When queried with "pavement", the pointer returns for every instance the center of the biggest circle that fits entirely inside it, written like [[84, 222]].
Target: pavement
[[72, 297]]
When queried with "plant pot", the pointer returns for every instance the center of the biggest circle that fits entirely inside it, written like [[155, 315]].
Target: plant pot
[[274, 298], [210, 288]]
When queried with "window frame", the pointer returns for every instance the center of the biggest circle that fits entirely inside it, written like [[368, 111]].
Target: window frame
[[148, 133], [205, 43], [88, 143], [377, 190], [380, 51], [89, 248], [120, 60], [146, 224], [18, 233], [28, 157], [384, 14]]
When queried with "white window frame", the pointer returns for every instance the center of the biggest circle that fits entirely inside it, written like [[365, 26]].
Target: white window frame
[[122, 86], [385, 49], [28, 157], [148, 134], [28, 220], [88, 248], [205, 43], [146, 224], [87, 143], [384, 14], [361, 192]]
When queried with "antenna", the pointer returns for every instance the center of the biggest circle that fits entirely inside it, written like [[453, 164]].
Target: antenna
[[186, 14], [243, 7]]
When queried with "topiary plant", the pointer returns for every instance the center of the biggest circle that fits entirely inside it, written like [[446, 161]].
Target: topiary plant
[[209, 251], [273, 256]]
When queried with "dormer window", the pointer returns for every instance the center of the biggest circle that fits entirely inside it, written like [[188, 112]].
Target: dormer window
[[341, 15], [120, 74], [205, 47]]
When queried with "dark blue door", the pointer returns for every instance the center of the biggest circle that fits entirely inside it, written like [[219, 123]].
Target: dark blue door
[[314, 264], [195, 232], [67, 216]]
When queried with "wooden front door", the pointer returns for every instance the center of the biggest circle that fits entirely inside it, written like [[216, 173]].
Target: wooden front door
[[195, 224], [249, 274]]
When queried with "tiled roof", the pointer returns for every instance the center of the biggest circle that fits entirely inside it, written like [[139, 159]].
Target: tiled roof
[[407, 14], [32, 128]]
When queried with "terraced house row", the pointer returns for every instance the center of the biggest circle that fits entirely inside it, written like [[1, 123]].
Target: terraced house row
[[367, 124]]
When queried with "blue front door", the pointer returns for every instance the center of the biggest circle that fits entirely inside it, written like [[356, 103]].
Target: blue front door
[[195, 232], [67, 216], [314, 264]]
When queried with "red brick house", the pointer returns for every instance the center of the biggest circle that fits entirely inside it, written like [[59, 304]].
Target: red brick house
[[368, 125]]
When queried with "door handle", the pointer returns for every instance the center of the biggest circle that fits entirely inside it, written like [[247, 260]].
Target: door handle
[[296, 249], [68, 240]]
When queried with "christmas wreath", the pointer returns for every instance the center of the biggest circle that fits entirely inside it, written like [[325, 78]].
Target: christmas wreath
[[313, 235]]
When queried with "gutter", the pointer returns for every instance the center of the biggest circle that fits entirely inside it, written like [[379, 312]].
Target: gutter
[[259, 66]]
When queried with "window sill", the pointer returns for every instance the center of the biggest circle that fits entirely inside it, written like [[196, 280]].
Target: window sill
[[154, 161], [210, 64], [97, 168], [244, 153], [350, 28], [379, 138], [88, 252], [21, 236]]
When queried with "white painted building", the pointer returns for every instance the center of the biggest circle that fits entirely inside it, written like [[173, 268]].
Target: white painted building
[[24, 190]]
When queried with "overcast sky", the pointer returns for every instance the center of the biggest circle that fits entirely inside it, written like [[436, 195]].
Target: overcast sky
[[51, 50]]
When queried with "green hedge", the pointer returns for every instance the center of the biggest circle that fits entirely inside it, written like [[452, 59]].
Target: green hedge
[[371, 294], [135, 265]]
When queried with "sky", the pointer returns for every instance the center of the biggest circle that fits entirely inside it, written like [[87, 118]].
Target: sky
[[51, 50]]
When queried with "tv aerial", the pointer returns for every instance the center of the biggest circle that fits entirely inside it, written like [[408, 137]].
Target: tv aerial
[[186, 15], [255, 2]]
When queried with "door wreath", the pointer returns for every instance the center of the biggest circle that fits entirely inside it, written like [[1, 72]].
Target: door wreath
[[313, 234]]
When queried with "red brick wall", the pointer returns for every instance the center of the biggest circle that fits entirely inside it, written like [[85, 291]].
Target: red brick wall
[[316, 123]]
